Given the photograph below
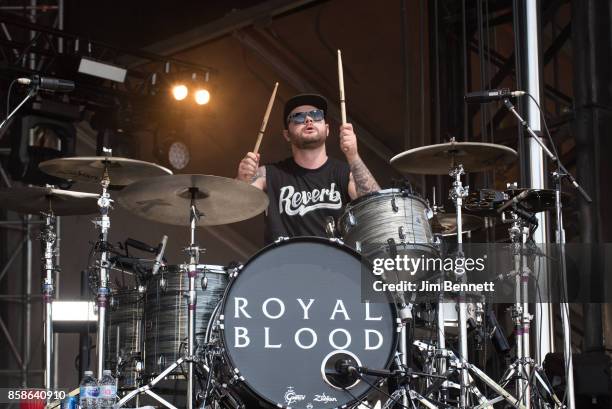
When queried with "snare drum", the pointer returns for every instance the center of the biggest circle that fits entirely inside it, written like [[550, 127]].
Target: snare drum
[[166, 312], [290, 314]]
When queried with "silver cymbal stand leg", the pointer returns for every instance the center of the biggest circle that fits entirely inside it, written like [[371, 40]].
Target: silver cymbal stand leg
[[457, 193], [48, 238], [194, 258], [519, 234], [104, 202]]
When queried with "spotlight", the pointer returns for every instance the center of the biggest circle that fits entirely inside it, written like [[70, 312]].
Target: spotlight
[[202, 96], [178, 155], [180, 92]]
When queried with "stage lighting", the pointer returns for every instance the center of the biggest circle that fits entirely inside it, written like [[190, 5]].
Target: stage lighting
[[178, 155], [202, 96], [180, 92]]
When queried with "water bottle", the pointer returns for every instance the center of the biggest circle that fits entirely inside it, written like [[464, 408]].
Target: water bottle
[[88, 392], [108, 391]]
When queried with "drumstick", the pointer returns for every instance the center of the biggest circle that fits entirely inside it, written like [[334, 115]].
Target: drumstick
[[265, 119], [341, 84]]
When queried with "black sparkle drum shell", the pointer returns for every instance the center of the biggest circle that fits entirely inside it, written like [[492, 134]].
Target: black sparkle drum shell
[[291, 306], [125, 335], [166, 313]]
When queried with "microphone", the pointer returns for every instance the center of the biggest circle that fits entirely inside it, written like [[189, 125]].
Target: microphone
[[137, 244], [513, 201], [160, 255], [48, 83], [491, 95]]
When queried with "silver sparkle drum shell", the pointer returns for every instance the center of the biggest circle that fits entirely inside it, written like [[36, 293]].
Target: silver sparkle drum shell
[[389, 222], [166, 313], [275, 369]]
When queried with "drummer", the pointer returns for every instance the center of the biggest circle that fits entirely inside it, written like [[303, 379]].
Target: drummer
[[309, 187]]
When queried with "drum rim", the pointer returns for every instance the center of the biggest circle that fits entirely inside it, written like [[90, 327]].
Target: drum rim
[[384, 192], [279, 243]]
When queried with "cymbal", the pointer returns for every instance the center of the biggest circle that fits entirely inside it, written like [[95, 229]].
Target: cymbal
[[537, 200], [121, 171], [446, 223], [33, 200], [439, 159], [166, 199]]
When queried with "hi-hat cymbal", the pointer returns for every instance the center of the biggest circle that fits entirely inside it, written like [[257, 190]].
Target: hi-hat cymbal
[[446, 223], [33, 200], [121, 171], [167, 199], [439, 159]]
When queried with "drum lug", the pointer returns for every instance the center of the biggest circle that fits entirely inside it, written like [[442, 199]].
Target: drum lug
[[351, 219], [335, 240], [204, 283], [400, 233], [394, 205], [281, 239], [163, 284], [358, 246]]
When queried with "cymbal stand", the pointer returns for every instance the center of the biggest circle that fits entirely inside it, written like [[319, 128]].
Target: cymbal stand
[[457, 193], [48, 239], [519, 235], [529, 373], [194, 258], [104, 202]]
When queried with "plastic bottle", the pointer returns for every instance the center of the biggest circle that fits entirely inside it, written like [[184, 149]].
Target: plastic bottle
[[108, 391], [89, 391]]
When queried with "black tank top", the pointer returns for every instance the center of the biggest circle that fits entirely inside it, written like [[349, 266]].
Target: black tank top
[[302, 199]]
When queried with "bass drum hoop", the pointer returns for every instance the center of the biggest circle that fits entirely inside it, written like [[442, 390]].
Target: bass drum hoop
[[279, 243]]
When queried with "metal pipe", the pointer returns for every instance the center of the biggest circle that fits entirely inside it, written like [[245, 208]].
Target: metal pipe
[[543, 311], [58, 242]]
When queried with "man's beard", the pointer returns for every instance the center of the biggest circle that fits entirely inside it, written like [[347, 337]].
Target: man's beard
[[307, 141]]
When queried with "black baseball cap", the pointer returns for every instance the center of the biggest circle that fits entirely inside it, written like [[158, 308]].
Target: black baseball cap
[[316, 100]]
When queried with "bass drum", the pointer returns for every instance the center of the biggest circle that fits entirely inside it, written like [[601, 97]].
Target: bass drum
[[290, 314]]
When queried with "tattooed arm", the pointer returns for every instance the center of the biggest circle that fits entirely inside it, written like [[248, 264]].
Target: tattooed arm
[[259, 180], [361, 181]]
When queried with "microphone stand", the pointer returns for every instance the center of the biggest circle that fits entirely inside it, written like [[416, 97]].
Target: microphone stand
[[30, 94], [560, 238]]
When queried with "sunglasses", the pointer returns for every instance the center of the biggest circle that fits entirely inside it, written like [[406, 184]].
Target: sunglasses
[[300, 117]]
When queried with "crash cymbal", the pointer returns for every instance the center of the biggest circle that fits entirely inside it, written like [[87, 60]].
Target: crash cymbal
[[439, 159], [446, 223], [121, 171], [537, 200], [166, 199], [33, 200]]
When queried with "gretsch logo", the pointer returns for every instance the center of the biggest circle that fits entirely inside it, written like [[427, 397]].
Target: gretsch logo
[[291, 397]]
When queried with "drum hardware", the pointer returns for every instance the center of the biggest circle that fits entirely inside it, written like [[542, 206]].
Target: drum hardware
[[100, 169], [50, 203], [457, 365]]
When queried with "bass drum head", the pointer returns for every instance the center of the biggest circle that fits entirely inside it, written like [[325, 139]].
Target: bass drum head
[[290, 310]]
